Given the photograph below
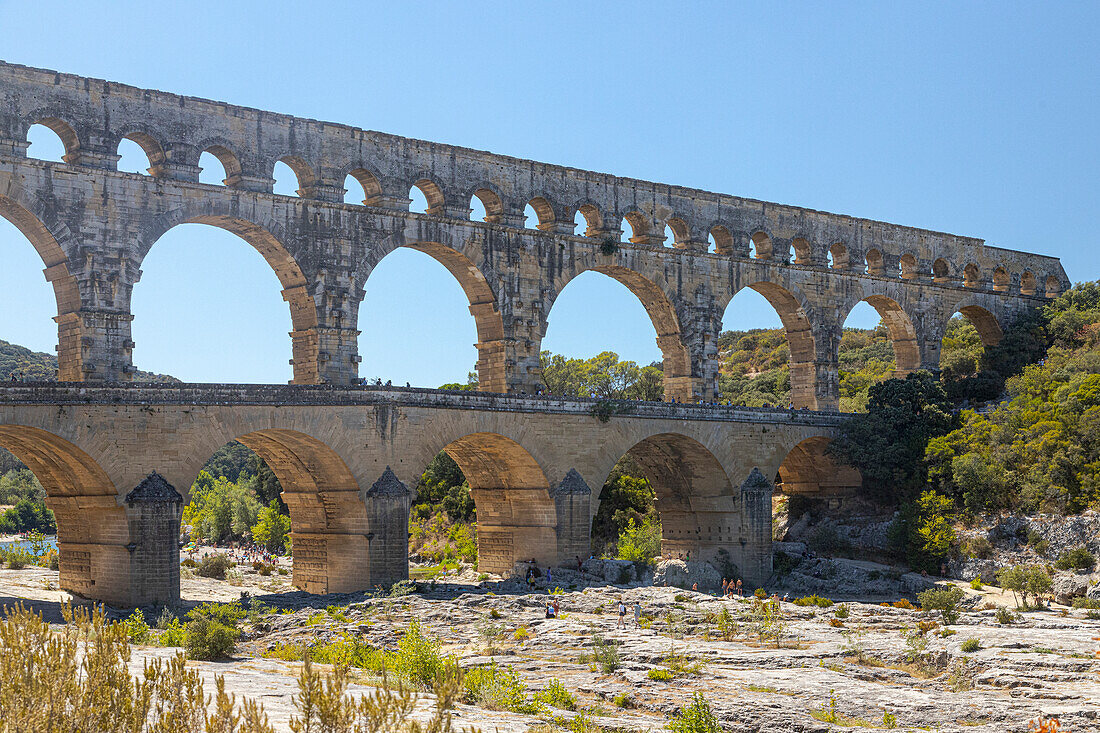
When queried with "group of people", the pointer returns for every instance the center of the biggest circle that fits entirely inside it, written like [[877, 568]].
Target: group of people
[[240, 554], [731, 589]]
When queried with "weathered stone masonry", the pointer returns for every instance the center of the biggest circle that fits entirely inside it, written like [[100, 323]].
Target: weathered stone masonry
[[93, 226], [347, 457]]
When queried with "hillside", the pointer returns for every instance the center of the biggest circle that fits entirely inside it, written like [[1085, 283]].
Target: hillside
[[34, 366]]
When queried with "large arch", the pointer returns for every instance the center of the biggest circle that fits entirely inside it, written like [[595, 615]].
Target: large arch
[[330, 528], [93, 535], [45, 240], [662, 314], [269, 242], [516, 515], [800, 341], [903, 335], [700, 510], [808, 470]]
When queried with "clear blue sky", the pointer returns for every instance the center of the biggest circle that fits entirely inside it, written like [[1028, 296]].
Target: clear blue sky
[[973, 118]]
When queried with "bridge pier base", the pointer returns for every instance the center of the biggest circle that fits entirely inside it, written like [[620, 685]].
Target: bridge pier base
[[153, 512], [756, 517]]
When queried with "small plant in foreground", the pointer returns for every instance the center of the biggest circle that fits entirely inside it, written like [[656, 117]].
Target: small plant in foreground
[[556, 695], [622, 700], [889, 720], [214, 566], [971, 645], [697, 717], [658, 674], [606, 655], [945, 600], [1004, 616], [976, 584]]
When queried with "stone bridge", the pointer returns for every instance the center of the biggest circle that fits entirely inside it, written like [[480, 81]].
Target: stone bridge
[[346, 457], [93, 225]]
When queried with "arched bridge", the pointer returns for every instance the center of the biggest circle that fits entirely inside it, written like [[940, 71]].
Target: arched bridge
[[348, 457], [93, 225]]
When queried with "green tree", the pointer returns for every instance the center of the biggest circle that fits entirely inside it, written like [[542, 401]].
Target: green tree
[[443, 488], [219, 510], [272, 528]]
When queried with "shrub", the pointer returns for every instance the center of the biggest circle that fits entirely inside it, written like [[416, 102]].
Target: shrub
[[726, 623], [522, 633], [904, 603], [976, 584], [138, 632], [841, 611], [1082, 602], [1092, 614], [813, 600], [1004, 616], [945, 600], [606, 654], [209, 639], [695, 718], [214, 566], [555, 695], [659, 675], [835, 622], [418, 659], [622, 700], [760, 593], [497, 688], [1079, 558], [971, 645]]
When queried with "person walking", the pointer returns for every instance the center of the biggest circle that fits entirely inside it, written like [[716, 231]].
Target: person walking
[[622, 614], [637, 614]]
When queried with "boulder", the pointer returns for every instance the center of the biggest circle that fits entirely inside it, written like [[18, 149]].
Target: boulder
[[1066, 586], [685, 574], [614, 572]]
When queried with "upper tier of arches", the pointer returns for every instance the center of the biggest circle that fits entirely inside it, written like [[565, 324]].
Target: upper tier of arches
[[248, 143]]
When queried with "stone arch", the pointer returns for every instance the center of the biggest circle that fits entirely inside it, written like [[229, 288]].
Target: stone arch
[[794, 316], [491, 200], [972, 276], [803, 252], [1052, 287], [941, 270], [662, 314], [903, 334], [839, 254], [303, 172], [149, 144], [92, 527], [491, 362], [639, 226], [984, 322], [681, 232], [329, 523], [371, 183], [47, 240], [63, 130], [1000, 279], [807, 470], [516, 516], [1028, 284], [593, 219], [909, 267], [433, 193], [763, 246], [697, 505], [268, 239], [875, 262], [723, 239], [231, 162], [544, 210]]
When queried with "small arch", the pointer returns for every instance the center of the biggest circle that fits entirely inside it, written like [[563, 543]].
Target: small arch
[[909, 267], [1028, 284], [941, 271], [838, 253], [1000, 279], [590, 218], [802, 251], [148, 146], [972, 276], [491, 202], [1052, 287], [516, 518], [544, 212], [303, 175], [723, 240], [61, 130], [639, 227], [762, 245], [875, 262], [230, 164], [432, 193], [681, 232], [368, 182]]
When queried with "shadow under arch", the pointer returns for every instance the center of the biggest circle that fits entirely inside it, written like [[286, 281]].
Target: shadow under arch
[[700, 510], [92, 528], [676, 360], [330, 527], [984, 322], [305, 336], [516, 515], [808, 470], [800, 342], [70, 361], [903, 335]]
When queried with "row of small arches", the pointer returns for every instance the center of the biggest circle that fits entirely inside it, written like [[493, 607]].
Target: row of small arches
[[293, 176]]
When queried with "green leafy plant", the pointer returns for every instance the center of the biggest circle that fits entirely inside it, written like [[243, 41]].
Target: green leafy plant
[[945, 600], [971, 645], [696, 717]]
